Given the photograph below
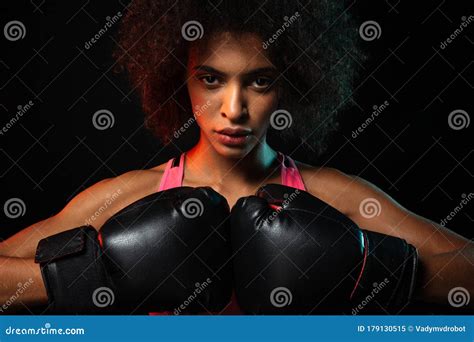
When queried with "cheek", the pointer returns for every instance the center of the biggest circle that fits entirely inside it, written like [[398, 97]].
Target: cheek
[[194, 94], [204, 116], [264, 106]]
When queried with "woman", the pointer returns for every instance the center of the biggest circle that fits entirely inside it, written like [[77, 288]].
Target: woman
[[241, 67]]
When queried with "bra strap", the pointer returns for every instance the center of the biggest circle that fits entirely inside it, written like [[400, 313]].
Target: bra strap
[[173, 175], [290, 176]]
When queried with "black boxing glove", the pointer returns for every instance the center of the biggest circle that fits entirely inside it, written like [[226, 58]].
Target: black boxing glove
[[295, 254], [168, 251]]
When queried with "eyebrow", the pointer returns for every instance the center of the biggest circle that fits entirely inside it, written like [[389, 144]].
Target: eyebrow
[[218, 72]]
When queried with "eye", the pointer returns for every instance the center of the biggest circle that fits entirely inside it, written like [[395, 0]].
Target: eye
[[262, 82], [209, 80]]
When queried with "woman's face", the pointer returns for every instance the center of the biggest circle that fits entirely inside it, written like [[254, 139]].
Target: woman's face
[[230, 85]]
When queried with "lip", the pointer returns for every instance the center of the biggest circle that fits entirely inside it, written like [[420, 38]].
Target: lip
[[233, 136], [235, 131]]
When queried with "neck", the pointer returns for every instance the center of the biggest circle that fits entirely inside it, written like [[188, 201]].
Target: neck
[[205, 164]]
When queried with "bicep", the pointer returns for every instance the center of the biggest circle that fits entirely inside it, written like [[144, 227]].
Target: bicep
[[373, 209], [23, 244], [93, 206]]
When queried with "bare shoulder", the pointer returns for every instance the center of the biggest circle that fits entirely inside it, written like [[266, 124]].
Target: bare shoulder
[[100, 201], [373, 209], [92, 206], [329, 184], [344, 191]]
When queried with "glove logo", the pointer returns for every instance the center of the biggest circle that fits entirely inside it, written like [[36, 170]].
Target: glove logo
[[192, 208], [280, 297], [102, 297]]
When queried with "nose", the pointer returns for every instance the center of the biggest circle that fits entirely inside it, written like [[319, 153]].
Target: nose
[[233, 103]]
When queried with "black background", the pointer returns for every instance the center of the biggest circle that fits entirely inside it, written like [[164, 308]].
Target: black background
[[53, 152]]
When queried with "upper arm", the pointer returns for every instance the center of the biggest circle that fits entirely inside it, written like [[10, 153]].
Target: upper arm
[[23, 244], [373, 209], [93, 206]]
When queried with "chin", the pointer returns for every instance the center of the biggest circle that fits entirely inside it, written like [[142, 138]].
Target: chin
[[233, 152]]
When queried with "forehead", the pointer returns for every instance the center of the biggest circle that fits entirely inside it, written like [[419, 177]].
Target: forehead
[[230, 53]]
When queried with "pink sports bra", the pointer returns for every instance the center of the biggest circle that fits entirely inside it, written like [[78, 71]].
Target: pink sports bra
[[173, 177], [173, 174]]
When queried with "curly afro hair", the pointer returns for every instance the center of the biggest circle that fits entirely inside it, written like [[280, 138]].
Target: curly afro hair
[[313, 44]]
